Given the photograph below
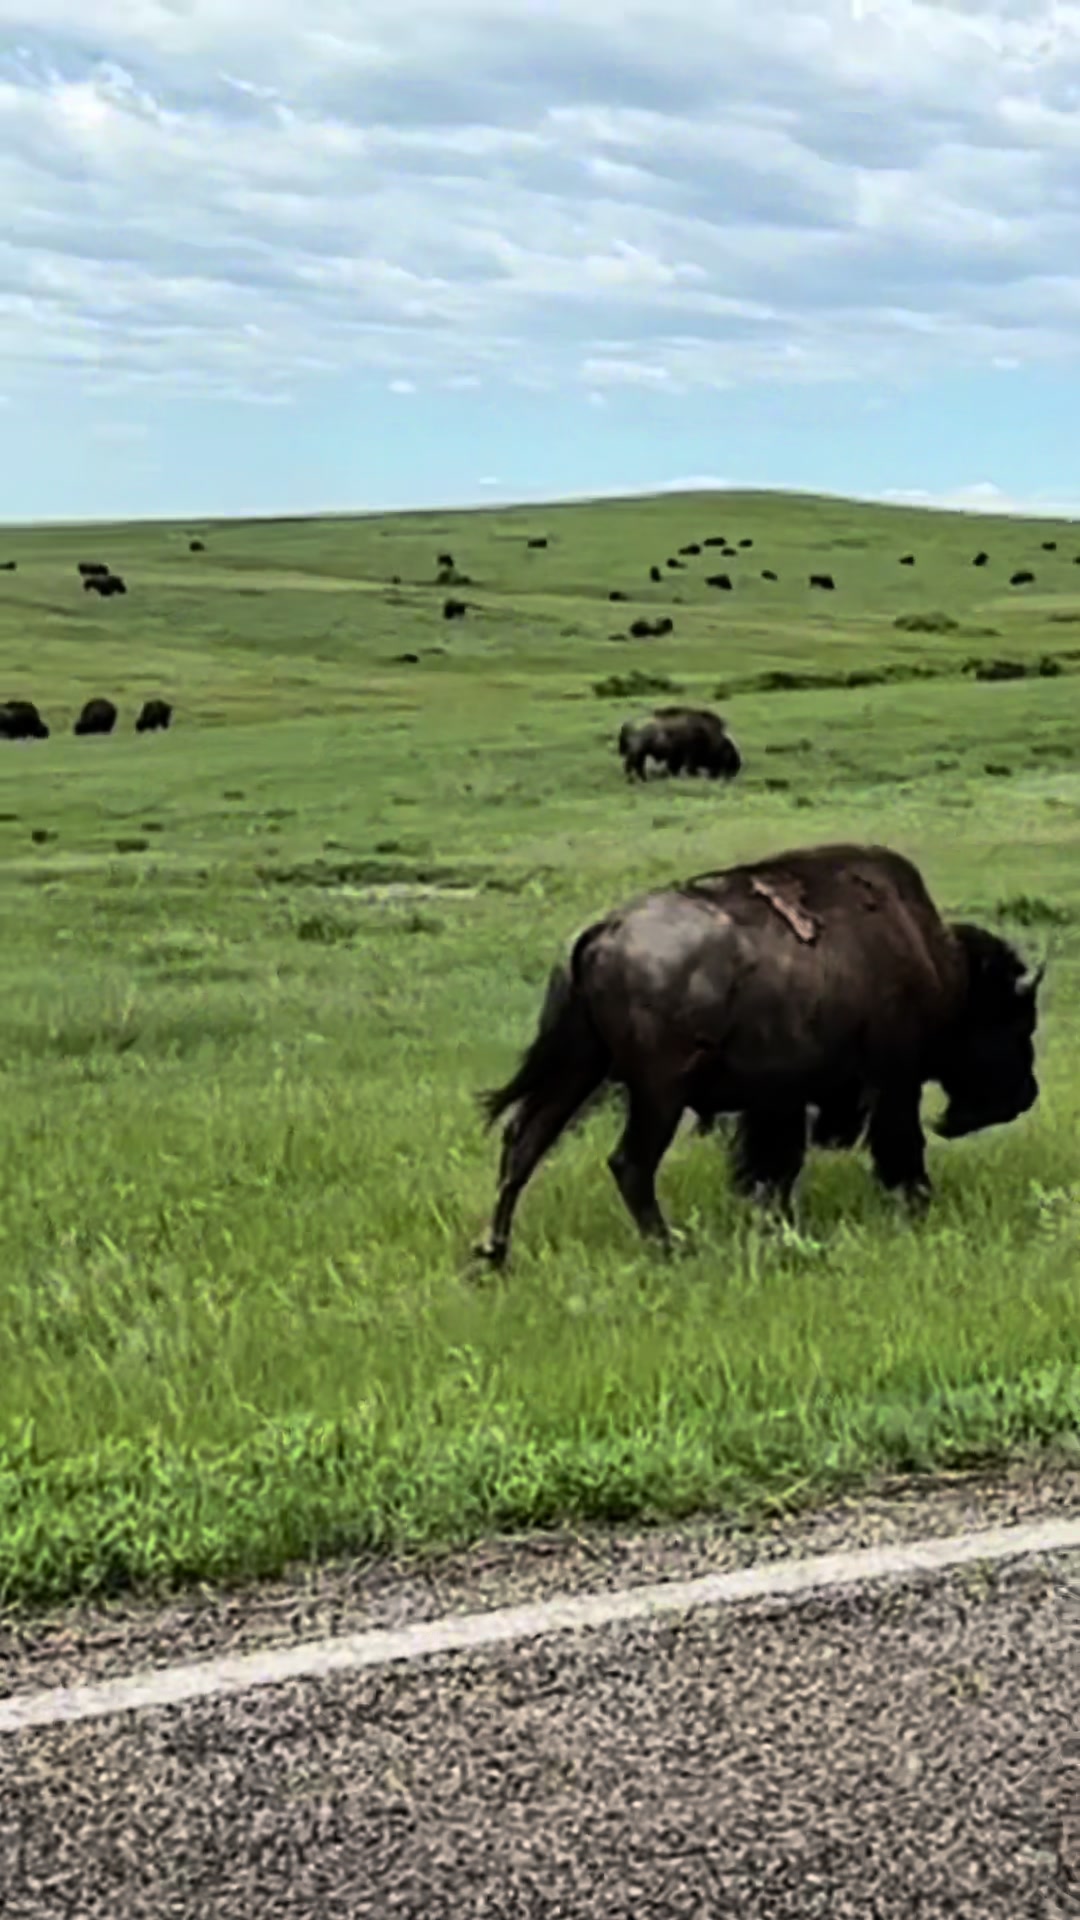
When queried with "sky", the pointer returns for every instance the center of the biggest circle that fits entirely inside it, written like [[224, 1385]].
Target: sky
[[259, 257]]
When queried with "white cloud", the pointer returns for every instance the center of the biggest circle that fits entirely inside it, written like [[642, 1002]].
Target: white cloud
[[403, 386], [230, 196]]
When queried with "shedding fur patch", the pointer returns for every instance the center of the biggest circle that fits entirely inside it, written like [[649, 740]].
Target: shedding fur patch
[[803, 925]]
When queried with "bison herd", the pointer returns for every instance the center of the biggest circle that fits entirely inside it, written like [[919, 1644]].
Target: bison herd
[[21, 720], [808, 997]]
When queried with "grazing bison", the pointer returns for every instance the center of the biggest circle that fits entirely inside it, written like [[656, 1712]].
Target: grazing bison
[[692, 548], [823, 580], [97, 716], [721, 580], [715, 540], [196, 546], [454, 609], [20, 720], [980, 560], [907, 559], [676, 566], [1049, 546], [823, 977], [682, 739], [746, 543], [767, 573], [541, 542], [616, 595], [1022, 579], [445, 560], [155, 714], [88, 568], [655, 575], [105, 584], [8, 566]]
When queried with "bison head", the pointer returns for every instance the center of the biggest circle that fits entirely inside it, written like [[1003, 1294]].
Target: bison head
[[989, 1070]]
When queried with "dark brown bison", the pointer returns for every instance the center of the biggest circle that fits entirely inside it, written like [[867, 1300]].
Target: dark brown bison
[[907, 559], [105, 584], [1049, 546], [97, 716], [746, 543], [721, 580], [767, 573], [196, 546], [821, 978], [88, 568], [20, 720], [8, 566], [444, 560], [824, 580], [540, 542], [980, 560], [454, 609], [1022, 579], [692, 548], [715, 540], [682, 739], [655, 575], [675, 565], [155, 714]]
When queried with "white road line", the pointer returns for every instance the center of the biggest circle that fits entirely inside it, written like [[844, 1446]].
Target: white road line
[[377, 1647]]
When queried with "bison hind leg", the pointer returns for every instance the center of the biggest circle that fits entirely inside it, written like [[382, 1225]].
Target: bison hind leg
[[652, 1118], [768, 1154]]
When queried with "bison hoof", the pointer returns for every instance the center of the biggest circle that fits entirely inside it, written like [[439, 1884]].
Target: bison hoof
[[490, 1253]]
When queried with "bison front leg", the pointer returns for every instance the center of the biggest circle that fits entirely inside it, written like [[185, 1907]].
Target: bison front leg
[[649, 1131], [898, 1147]]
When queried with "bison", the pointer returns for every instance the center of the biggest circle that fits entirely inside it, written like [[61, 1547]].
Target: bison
[[907, 559], [692, 548], [980, 560], [8, 566], [1022, 579], [105, 584], [454, 609], [155, 715], [88, 568], [655, 575], [823, 580], [541, 541], [196, 546], [823, 977], [684, 739], [767, 573], [98, 716], [20, 720], [1049, 546], [721, 580]]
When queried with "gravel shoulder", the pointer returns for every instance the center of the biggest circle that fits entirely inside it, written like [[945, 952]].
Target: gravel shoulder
[[80, 1644], [868, 1754]]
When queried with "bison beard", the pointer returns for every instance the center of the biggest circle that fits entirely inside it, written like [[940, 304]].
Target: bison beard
[[823, 979]]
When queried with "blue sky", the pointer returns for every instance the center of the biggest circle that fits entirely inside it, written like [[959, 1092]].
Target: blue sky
[[260, 258]]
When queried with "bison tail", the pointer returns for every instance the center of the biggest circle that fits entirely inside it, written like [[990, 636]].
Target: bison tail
[[567, 1050]]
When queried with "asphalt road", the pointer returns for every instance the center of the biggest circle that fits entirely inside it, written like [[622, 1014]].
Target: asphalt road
[[903, 1751]]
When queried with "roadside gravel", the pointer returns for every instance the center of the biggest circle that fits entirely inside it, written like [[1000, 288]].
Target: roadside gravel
[[91, 1643], [893, 1753]]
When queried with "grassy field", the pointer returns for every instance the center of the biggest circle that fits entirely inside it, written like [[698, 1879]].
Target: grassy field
[[255, 969]]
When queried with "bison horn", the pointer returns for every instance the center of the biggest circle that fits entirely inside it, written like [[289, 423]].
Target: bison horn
[[1028, 986]]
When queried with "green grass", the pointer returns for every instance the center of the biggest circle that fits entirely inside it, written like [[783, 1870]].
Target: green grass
[[259, 965]]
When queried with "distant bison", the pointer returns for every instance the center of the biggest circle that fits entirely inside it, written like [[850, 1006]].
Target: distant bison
[[8, 566], [715, 540], [445, 560], [155, 714], [1022, 579], [980, 560], [768, 574], [97, 716], [196, 546], [454, 609], [676, 565], [907, 559], [540, 542], [746, 543], [1049, 546], [616, 595], [821, 978], [721, 580], [823, 580], [645, 629], [88, 568], [20, 720], [655, 575], [105, 584], [693, 548], [682, 739]]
